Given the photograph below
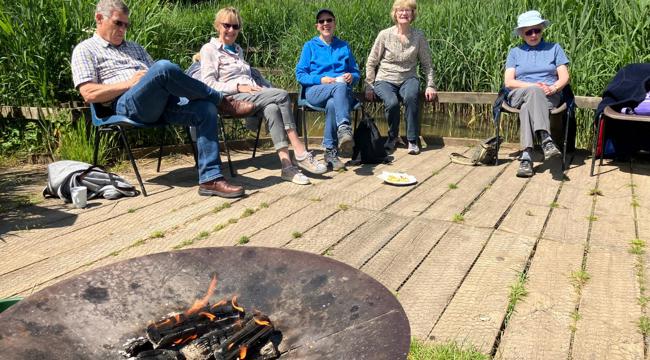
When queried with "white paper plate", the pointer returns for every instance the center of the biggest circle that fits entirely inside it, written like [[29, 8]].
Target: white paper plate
[[397, 178]]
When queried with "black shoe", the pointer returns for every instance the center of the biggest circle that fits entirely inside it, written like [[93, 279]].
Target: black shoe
[[550, 150], [525, 169]]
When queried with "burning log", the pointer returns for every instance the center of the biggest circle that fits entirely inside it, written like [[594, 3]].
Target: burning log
[[221, 331]]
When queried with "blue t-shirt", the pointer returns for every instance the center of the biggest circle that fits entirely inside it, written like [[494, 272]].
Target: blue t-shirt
[[536, 64]]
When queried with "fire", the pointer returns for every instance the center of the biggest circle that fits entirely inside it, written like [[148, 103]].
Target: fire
[[220, 303], [208, 315], [184, 340], [242, 352], [235, 305], [199, 304], [262, 322]]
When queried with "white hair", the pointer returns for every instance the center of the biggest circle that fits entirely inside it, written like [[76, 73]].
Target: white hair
[[106, 7]]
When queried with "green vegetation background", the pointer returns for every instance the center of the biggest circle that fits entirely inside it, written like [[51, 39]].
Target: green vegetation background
[[469, 39]]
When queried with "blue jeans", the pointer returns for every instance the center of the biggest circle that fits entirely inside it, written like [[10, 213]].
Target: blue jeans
[[408, 93], [154, 98], [337, 100]]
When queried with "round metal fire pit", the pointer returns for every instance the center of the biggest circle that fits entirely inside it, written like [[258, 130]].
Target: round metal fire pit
[[325, 309]]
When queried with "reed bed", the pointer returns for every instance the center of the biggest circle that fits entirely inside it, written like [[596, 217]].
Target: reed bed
[[469, 39]]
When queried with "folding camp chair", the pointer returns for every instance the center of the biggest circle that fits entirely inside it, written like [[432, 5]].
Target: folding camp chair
[[304, 106], [104, 119], [609, 114], [554, 111]]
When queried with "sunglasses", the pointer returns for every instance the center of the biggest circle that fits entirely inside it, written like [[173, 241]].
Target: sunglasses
[[325, 21], [229, 26], [533, 31], [123, 24]]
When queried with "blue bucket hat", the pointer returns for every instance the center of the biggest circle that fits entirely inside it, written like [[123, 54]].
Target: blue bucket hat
[[530, 18]]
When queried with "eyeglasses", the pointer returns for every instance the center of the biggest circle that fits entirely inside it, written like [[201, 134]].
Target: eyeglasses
[[229, 26], [123, 24], [325, 21], [533, 31]]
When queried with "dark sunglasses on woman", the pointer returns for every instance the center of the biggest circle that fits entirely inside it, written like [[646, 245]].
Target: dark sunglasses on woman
[[533, 31], [325, 21], [228, 26]]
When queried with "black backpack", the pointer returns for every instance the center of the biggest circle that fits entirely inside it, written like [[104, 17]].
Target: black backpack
[[368, 144]]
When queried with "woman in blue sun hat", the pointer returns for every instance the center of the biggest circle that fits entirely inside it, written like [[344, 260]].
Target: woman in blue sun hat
[[536, 72]]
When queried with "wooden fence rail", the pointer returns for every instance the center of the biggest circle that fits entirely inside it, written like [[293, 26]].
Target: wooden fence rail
[[446, 97]]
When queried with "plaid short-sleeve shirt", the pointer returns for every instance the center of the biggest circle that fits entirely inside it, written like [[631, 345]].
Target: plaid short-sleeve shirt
[[98, 61]]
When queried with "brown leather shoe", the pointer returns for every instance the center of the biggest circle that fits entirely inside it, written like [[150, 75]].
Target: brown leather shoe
[[220, 187], [236, 108]]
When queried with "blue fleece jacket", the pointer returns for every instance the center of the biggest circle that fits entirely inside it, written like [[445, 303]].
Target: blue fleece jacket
[[319, 59]]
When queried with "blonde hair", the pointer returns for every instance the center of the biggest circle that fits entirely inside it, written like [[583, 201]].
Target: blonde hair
[[227, 15], [401, 4]]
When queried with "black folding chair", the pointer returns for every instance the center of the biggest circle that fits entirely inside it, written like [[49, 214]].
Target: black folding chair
[[104, 119]]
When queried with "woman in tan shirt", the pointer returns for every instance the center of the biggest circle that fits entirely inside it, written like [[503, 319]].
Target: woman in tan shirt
[[223, 68], [391, 73]]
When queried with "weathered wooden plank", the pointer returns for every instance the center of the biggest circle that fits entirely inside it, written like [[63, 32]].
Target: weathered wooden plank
[[384, 194], [393, 264], [319, 238], [641, 200], [528, 215], [247, 226], [609, 310], [356, 248], [468, 189], [613, 221], [569, 222], [539, 328], [491, 206], [426, 293], [476, 312], [281, 233], [92, 244]]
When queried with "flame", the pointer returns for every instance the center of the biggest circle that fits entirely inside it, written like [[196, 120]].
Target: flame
[[235, 305], [201, 303], [242, 352], [208, 315], [220, 303], [184, 340], [262, 322]]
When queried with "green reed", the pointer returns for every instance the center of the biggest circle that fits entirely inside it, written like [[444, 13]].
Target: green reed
[[469, 40]]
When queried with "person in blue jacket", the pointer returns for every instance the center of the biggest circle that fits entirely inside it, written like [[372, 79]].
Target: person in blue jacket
[[327, 71]]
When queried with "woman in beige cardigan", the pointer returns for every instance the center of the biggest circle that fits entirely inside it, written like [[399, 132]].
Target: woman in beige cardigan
[[391, 73]]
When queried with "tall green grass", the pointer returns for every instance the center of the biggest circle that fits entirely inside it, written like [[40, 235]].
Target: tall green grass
[[469, 39]]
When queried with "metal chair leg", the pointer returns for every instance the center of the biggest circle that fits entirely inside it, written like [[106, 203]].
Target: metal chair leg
[[96, 151], [566, 135], [160, 150], [498, 125], [225, 145], [133, 164], [594, 144], [303, 120], [602, 130], [257, 137]]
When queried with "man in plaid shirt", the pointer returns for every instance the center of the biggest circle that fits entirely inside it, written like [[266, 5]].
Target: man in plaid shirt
[[107, 69]]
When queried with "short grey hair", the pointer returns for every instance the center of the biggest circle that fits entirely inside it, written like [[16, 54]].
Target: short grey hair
[[106, 7]]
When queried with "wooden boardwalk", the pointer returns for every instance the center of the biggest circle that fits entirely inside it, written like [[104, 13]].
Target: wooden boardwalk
[[454, 248]]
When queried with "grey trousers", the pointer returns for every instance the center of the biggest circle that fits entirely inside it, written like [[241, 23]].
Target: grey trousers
[[534, 112], [275, 104]]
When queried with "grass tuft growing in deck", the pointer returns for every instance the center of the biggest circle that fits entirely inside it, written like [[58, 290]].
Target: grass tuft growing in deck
[[422, 351]]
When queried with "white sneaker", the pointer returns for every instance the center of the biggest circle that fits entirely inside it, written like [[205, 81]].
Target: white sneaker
[[413, 148], [309, 163], [293, 174]]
